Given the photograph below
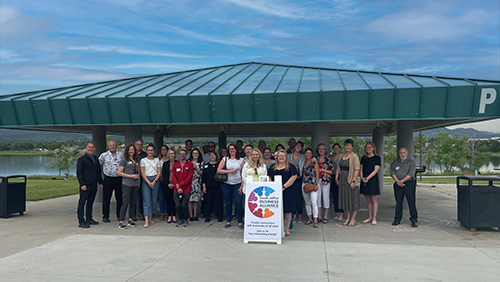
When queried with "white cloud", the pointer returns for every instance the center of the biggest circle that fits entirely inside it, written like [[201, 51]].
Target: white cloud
[[428, 22], [128, 51], [14, 25], [60, 73], [161, 66], [9, 56], [237, 40], [489, 125]]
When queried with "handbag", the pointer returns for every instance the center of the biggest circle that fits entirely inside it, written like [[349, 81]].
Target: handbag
[[221, 177], [308, 188]]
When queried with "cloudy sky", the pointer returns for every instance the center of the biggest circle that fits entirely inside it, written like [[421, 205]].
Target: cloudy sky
[[53, 43]]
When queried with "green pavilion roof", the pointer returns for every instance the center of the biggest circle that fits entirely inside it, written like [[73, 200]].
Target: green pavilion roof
[[252, 93]]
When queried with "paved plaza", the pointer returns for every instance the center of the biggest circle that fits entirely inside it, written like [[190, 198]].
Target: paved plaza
[[46, 245]]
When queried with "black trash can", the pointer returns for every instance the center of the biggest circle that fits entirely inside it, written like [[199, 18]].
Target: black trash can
[[12, 195], [478, 204]]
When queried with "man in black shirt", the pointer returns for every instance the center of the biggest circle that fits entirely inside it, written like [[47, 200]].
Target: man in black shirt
[[88, 171]]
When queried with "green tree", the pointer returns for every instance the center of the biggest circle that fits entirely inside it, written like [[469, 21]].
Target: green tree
[[450, 151], [65, 157], [390, 151], [478, 153]]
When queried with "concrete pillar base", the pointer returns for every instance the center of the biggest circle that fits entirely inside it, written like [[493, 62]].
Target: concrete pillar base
[[320, 133]]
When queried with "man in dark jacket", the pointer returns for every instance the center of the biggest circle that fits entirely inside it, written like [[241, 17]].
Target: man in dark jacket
[[88, 171]]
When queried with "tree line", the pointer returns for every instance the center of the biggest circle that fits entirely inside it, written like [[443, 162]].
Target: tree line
[[449, 152]]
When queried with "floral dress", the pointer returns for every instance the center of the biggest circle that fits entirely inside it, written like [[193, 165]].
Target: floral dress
[[196, 189], [308, 174], [328, 165]]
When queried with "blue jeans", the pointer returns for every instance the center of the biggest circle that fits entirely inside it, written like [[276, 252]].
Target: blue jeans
[[162, 201], [230, 192], [149, 196]]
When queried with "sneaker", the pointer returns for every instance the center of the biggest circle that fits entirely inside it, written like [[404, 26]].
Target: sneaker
[[105, 219], [83, 225], [122, 226], [131, 223], [207, 219], [186, 224]]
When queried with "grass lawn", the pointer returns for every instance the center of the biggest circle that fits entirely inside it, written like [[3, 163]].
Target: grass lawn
[[43, 187], [26, 153], [38, 188], [440, 180]]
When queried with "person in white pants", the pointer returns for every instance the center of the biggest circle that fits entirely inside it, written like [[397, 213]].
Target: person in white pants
[[310, 175], [325, 173]]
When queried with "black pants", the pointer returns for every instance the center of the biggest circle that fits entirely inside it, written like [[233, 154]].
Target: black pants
[[169, 198], [399, 193], [111, 184], [334, 190], [86, 202], [181, 205], [130, 196], [213, 202]]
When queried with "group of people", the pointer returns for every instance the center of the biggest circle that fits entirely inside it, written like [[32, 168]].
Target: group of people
[[178, 183]]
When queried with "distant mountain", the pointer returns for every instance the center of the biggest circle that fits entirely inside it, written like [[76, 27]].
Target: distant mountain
[[467, 132], [9, 135]]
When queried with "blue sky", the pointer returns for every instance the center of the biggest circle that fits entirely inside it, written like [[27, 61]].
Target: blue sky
[[48, 44]]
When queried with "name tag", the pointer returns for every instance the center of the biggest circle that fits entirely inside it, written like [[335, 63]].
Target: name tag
[[206, 166], [396, 168], [130, 162], [178, 170]]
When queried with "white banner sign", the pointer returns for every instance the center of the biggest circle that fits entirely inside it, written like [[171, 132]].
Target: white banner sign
[[264, 212]]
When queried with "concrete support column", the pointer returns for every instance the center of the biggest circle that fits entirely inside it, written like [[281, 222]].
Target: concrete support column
[[158, 141], [378, 139], [222, 140], [99, 139], [320, 133], [132, 133], [405, 136]]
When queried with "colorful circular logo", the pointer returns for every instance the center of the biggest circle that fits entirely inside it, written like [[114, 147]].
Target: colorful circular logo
[[261, 202]]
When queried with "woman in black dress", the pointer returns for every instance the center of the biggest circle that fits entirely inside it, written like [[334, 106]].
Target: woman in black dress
[[288, 174], [370, 165], [211, 189]]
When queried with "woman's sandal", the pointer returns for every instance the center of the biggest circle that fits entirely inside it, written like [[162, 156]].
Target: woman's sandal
[[345, 223], [169, 220], [308, 222], [352, 223], [316, 225], [325, 221]]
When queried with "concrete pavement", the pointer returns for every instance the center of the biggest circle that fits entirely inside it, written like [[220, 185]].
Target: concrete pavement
[[46, 245]]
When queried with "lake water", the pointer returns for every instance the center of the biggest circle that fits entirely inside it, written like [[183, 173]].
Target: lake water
[[40, 165], [30, 165]]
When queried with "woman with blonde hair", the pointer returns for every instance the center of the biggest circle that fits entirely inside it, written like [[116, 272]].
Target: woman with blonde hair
[[288, 174], [254, 167], [370, 165], [168, 186]]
